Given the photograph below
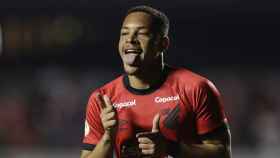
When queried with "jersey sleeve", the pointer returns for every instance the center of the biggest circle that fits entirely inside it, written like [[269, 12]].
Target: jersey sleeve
[[208, 107], [93, 125]]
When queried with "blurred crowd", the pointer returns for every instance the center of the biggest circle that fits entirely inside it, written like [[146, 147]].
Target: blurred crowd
[[45, 107]]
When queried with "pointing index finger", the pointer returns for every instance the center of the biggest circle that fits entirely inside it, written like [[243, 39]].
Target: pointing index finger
[[107, 101], [101, 101]]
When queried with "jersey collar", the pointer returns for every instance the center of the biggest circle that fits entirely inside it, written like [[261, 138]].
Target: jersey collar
[[149, 90]]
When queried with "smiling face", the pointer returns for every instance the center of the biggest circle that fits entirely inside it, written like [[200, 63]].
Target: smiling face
[[139, 45]]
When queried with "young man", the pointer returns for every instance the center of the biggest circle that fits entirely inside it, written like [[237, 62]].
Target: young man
[[154, 110]]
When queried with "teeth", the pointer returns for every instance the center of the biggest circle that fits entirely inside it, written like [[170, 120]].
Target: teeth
[[133, 50]]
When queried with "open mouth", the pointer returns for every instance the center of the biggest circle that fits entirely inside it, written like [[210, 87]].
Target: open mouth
[[134, 51], [131, 56]]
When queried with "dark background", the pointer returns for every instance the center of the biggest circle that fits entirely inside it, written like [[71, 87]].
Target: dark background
[[54, 53]]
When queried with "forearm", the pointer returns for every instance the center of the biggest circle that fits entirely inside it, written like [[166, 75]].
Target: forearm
[[104, 149], [205, 151]]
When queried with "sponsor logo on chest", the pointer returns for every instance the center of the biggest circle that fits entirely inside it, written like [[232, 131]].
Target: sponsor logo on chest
[[166, 99], [125, 104]]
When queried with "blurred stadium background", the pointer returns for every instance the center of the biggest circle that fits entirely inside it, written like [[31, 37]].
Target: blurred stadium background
[[54, 53]]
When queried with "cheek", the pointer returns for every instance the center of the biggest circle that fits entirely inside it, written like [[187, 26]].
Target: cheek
[[146, 44], [151, 48], [120, 44]]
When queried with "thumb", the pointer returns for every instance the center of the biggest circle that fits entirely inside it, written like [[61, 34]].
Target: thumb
[[156, 123]]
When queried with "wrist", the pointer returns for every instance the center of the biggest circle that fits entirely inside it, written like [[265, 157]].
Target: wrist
[[106, 138]]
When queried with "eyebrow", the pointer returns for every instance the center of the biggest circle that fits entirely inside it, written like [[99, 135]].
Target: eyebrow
[[140, 27]]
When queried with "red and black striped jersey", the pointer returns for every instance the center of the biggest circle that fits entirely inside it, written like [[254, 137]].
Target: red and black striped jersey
[[189, 106]]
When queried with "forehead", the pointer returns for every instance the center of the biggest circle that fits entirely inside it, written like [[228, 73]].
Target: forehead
[[137, 19]]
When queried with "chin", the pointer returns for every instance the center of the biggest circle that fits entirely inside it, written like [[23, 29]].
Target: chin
[[131, 70]]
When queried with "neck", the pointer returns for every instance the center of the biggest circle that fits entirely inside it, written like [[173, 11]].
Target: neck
[[147, 78]]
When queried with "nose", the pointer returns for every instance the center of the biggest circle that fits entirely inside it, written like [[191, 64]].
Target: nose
[[132, 38]]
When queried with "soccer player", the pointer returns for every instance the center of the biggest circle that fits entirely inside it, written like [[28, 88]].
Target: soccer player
[[154, 110]]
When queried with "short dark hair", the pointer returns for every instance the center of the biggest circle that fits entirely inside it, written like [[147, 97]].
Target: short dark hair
[[160, 20]]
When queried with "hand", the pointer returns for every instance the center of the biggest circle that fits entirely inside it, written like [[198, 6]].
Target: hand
[[152, 144], [108, 116]]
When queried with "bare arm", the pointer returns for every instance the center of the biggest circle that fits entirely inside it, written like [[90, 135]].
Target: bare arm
[[102, 150], [214, 145]]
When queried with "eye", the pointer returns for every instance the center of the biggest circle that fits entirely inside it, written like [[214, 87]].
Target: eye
[[124, 33], [143, 33]]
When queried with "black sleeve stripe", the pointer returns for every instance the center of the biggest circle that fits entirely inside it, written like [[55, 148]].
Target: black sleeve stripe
[[218, 131], [89, 147]]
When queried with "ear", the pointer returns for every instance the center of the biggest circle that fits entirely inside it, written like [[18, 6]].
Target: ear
[[165, 43]]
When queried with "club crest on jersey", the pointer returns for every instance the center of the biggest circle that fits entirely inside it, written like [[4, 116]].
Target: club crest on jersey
[[125, 104], [166, 99]]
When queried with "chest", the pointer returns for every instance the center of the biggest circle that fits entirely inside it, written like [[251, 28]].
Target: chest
[[136, 113]]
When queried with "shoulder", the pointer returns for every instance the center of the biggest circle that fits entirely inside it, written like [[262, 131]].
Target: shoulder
[[190, 82], [186, 77]]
